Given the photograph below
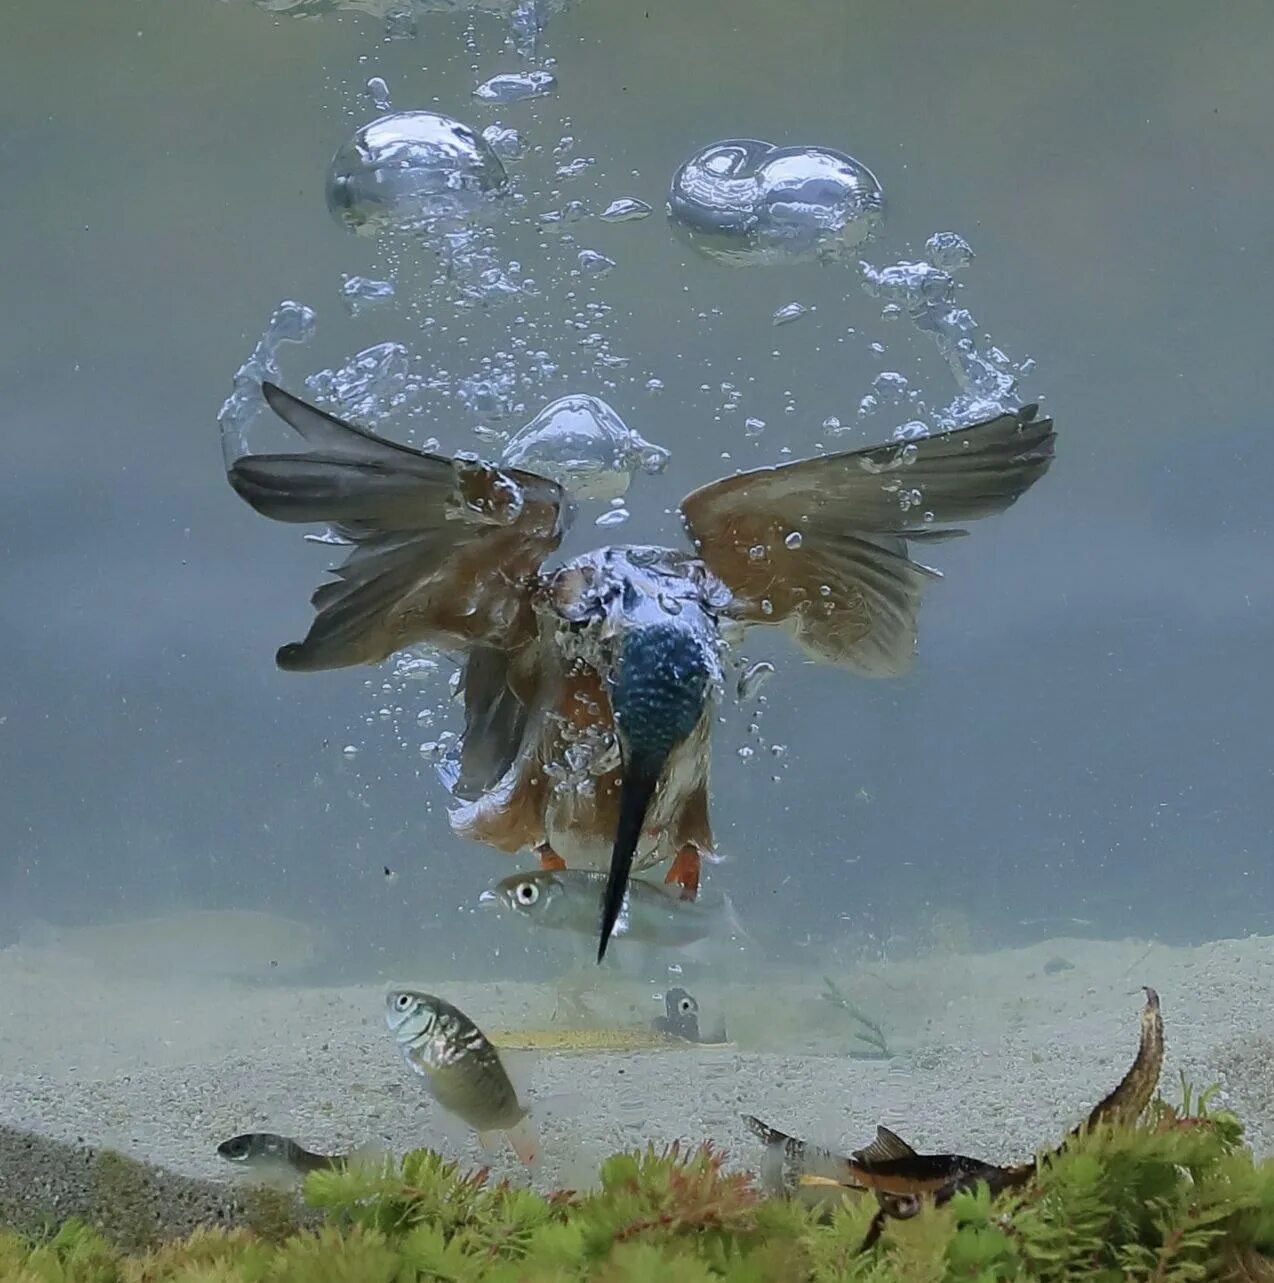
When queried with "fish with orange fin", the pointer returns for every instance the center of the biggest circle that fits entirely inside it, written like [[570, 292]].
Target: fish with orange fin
[[903, 1180], [589, 689]]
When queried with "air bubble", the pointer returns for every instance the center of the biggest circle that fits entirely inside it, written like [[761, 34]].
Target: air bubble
[[948, 250], [625, 210], [593, 263], [747, 202], [404, 172], [788, 313], [508, 144], [581, 442], [378, 91], [361, 292], [368, 386], [753, 679], [516, 86]]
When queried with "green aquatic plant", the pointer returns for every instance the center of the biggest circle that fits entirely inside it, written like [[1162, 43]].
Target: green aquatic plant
[[1177, 1199], [870, 1031]]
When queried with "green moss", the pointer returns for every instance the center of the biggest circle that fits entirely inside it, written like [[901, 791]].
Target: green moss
[[1177, 1199], [122, 1198], [272, 1214]]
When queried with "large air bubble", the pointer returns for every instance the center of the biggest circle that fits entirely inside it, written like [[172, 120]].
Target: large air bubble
[[749, 203], [411, 170], [582, 444]]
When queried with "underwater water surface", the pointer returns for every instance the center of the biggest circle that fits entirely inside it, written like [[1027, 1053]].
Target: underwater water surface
[[635, 247]]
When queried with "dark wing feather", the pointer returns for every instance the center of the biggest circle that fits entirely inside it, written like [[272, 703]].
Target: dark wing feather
[[495, 721], [821, 545], [445, 550]]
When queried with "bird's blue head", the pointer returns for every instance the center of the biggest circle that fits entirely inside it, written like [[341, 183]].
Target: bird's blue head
[[660, 690]]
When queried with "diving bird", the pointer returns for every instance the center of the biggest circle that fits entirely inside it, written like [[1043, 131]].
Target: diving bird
[[588, 688]]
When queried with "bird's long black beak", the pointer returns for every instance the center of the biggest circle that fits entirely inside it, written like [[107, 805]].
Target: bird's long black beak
[[636, 788]]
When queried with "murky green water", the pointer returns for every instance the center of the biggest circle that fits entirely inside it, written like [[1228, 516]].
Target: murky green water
[[1082, 747]]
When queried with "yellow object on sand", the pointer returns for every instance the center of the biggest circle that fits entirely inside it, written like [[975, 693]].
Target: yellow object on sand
[[594, 1040]]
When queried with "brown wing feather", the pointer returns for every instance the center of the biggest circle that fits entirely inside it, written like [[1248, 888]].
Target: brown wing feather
[[445, 550], [820, 546]]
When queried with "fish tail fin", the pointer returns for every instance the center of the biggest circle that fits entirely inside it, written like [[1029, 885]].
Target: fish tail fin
[[727, 938], [524, 1136], [791, 1164], [730, 922]]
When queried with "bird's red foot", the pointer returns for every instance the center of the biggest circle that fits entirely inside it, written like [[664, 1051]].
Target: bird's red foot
[[684, 872], [549, 858]]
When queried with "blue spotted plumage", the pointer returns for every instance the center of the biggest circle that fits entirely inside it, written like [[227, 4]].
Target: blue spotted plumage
[[661, 681]]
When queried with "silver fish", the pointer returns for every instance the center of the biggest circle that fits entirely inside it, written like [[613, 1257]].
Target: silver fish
[[461, 1068], [571, 900]]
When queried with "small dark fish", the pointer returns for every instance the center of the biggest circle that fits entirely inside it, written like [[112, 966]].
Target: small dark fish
[[681, 1016], [266, 1149]]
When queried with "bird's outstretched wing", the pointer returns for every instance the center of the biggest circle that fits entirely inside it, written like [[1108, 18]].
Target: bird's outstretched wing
[[821, 545], [445, 551]]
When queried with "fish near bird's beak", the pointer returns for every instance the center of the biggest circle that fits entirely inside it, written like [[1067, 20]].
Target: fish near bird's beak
[[659, 695]]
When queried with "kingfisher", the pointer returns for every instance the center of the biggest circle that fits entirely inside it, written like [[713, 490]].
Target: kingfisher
[[588, 688]]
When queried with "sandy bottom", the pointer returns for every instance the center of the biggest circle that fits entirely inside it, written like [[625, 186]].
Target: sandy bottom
[[994, 1055]]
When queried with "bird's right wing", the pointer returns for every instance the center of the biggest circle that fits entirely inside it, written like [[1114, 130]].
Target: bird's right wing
[[445, 551]]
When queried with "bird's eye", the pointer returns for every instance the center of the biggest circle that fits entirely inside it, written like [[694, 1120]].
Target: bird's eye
[[527, 893]]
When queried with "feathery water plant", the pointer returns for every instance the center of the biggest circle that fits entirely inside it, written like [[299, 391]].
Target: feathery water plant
[[1176, 1199]]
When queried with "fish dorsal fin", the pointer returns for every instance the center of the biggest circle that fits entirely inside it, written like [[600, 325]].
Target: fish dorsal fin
[[887, 1146]]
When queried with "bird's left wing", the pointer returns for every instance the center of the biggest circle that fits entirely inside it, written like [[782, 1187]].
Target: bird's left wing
[[820, 546], [445, 551]]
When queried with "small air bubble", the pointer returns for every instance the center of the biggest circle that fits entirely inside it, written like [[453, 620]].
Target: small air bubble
[[595, 264], [788, 313], [625, 210], [378, 92]]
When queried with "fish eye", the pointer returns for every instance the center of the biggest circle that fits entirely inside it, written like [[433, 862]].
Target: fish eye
[[403, 1002], [686, 1005], [526, 893]]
